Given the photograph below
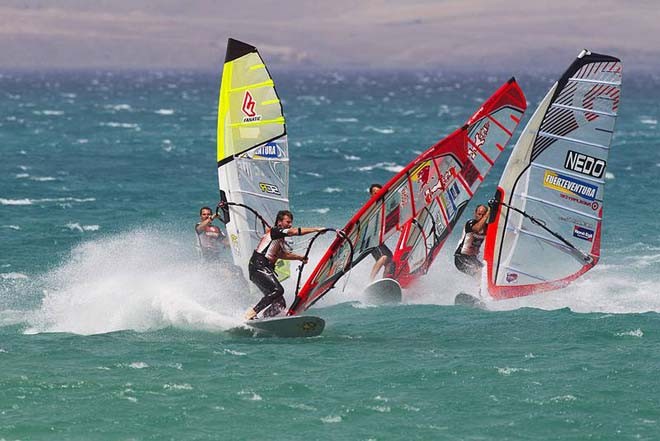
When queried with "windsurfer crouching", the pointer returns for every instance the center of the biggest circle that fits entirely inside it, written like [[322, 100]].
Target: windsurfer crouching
[[466, 255], [262, 264]]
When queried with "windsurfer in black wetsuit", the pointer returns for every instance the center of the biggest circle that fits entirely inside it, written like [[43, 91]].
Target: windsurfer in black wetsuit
[[262, 264], [466, 255], [382, 253]]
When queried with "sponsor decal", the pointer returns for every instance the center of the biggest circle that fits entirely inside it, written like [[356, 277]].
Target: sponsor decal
[[511, 277], [576, 221], [269, 188], [421, 173], [308, 326], [446, 179], [593, 205], [479, 140], [269, 150], [583, 233], [585, 164], [569, 185], [480, 137], [248, 108]]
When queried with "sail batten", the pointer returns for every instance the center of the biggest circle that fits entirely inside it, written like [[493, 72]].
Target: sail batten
[[592, 81], [549, 201], [558, 206], [574, 140], [583, 109]]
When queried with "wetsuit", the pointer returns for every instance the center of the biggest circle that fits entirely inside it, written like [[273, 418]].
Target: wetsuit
[[262, 271], [465, 256], [210, 240]]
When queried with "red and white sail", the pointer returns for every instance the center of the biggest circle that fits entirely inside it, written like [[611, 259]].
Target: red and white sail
[[546, 229], [418, 207]]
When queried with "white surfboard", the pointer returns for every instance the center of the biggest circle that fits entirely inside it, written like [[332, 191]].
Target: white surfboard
[[295, 326], [382, 291]]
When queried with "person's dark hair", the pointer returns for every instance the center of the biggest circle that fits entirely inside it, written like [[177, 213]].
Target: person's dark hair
[[372, 186], [205, 208], [281, 214]]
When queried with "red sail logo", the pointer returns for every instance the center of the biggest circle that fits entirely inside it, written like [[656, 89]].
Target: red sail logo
[[248, 105]]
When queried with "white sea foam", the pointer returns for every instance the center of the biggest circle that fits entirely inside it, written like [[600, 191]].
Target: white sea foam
[[563, 398], [168, 146], [332, 190], [352, 158], [184, 386], [389, 166], [118, 107], [250, 395], [609, 175], [75, 226], [22, 175], [15, 201], [138, 365], [232, 352], [13, 276], [382, 409], [48, 112], [165, 111], [346, 120], [626, 284], [331, 419], [151, 279], [12, 227], [41, 201], [133, 126], [648, 121], [635, 333], [506, 371], [384, 131]]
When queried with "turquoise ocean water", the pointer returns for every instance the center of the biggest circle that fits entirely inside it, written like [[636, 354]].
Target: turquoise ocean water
[[110, 328]]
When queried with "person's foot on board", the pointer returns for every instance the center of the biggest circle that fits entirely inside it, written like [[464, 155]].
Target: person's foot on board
[[250, 314]]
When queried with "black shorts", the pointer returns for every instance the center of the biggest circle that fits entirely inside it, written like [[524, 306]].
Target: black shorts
[[470, 265], [381, 251]]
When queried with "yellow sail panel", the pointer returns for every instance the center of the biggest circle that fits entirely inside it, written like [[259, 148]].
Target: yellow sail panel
[[249, 110]]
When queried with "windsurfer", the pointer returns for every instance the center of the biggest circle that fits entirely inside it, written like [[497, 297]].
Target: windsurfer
[[382, 253], [212, 241], [466, 255], [272, 246]]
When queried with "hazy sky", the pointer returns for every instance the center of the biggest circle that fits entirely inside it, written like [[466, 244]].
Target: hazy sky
[[364, 34]]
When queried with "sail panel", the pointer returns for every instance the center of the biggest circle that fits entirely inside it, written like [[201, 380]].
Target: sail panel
[[556, 176], [419, 206], [252, 148]]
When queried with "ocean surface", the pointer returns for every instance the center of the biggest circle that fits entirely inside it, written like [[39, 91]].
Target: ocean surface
[[111, 328]]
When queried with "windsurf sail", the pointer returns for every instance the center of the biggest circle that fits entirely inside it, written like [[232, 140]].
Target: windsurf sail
[[546, 224], [252, 150], [419, 206]]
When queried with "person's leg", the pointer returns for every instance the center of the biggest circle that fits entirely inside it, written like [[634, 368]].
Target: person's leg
[[267, 282]]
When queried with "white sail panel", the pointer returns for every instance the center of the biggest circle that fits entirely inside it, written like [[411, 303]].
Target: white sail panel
[[546, 230], [252, 149]]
